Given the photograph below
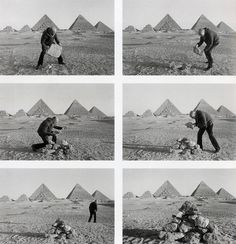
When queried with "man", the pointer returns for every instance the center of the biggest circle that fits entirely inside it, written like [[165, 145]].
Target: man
[[45, 130], [205, 123], [93, 211], [48, 38], [212, 40]]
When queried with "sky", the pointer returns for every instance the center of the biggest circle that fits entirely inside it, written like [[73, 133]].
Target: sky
[[140, 97], [63, 13], [184, 180], [184, 12], [57, 96], [59, 181]]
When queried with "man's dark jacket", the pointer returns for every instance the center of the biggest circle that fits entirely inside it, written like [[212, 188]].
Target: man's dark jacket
[[47, 126], [203, 119], [93, 207], [210, 38], [48, 38]]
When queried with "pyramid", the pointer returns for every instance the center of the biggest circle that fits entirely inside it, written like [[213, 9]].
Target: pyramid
[[147, 28], [101, 27], [42, 194], [224, 112], [5, 199], [76, 109], [3, 113], [203, 22], [224, 28], [130, 114], [81, 24], [167, 24], [78, 193], [203, 190], [147, 194], [130, 28], [8, 29], [22, 198], [128, 195], [204, 106], [166, 190], [223, 194], [25, 28], [167, 109], [43, 24], [94, 111], [40, 109], [100, 196], [21, 113], [147, 113]]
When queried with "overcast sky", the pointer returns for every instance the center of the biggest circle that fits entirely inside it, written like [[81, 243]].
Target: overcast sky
[[184, 12], [184, 180], [57, 96], [63, 13], [59, 181], [140, 97]]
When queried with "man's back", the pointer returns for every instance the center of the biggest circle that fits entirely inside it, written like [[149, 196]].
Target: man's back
[[202, 118], [210, 37], [45, 126], [93, 206]]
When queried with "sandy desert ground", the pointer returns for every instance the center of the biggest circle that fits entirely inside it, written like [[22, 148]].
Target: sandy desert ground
[[142, 217], [27, 223], [172, 54], [84, 54], [90, 139], [150, 139]]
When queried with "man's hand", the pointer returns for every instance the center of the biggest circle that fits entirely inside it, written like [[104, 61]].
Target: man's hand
[[56, 132], [190, 125]]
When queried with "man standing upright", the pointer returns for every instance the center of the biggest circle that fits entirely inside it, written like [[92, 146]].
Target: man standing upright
[[212, 40], [93, 211]]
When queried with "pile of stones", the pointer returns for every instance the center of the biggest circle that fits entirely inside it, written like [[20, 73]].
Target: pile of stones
[[186, 146]]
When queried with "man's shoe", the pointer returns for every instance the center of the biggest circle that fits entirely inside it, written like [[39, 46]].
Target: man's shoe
[[33, 148], [38, 67], [217, 150], [62, 63], [208, 68]]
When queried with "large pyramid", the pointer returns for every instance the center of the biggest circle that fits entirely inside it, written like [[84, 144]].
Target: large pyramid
[[81, 24], [167, 109], [130, 114], [130, 29], [79, 193], [166, 190], [42, 194], [224, 112], [25, 28], [23, 198], [43, 24], [167, 24], [204, 106], [76, 109], [147, 113], [147, 195], [203, 22], [147, 28], [129, 195], [20, 113], [8, 29], [101, 27], [5, 199], [223, 194], [40, 109], [203, 190], [224, 28], [100, 196], [94, 111]]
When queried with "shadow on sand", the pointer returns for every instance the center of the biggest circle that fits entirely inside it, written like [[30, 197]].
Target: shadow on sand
[[26, 234], [152, 234], [17, 149], [150, 148]]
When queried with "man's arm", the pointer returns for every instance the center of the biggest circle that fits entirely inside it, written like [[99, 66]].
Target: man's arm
[[43, 39], [201, 121], [57, 127], [56, 39], [200, 42]]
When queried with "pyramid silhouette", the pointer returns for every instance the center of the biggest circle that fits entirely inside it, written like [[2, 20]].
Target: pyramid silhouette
[[22, 198], [130, 28], [42, 193], [3, 113], [100, 196], [166, 190], [128, 195], [20, 113], [81, 24], [8, 29], [203, 22], [25, 28], [76, 109], [101, 27], [224, 28], [79, 193], [204, 106], [147, 28], [43, 24], [147, 113], [223, 111], [5, 199], [130, 114], [167, 109], [94, 111], [223, 194], [167, 24], [147, 194], [203, 190], [40, 109]]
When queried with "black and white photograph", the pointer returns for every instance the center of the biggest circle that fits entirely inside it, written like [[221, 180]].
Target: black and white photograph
[[51, 37], [56, 121], [179, 121], [184, 37], [174, 206], [57, 206]]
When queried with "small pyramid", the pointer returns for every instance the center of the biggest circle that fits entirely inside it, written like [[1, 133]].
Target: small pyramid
[[94, 111], [25, 28], [204, 106], [203, 190], [130, 114], [224, 112], [224, 28], [147, 113], [76, 109], [43, 24], [42, 194], [167, 24], [167, 109], [40, 109], [101, 27], [147, 28], [5, 199], [166, 190], [79, 193], [8, 29], [203, 22], [128, 195], [130, 29], [23, 198], [20, 113], [100, 196], [146, 195], [81, 24], [3, 113], [223, 194]]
